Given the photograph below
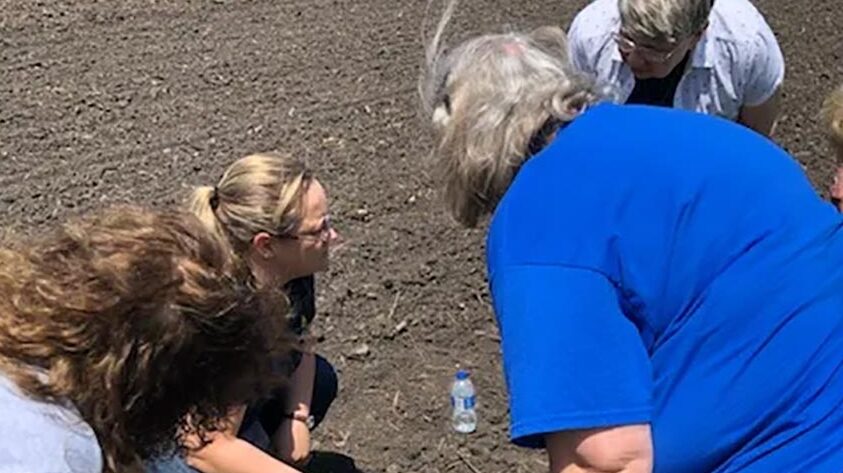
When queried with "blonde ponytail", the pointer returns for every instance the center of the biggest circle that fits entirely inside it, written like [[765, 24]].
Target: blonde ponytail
[[258, 193], [201, 204]]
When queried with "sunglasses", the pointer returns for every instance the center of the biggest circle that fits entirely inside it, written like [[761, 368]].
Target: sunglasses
[[628, 46], [323, 233]]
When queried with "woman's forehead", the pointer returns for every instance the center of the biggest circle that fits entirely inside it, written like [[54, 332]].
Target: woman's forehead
[[646, 42], [314, 202]]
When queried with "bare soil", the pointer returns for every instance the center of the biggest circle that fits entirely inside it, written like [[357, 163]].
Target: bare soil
[[138, 100]]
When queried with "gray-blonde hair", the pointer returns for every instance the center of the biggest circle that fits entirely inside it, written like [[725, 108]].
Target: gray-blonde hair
[[488, 99], [832, 116], [258, 193], [663, 21]]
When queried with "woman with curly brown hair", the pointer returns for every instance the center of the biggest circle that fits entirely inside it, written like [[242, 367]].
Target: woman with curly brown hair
[[115, 329]]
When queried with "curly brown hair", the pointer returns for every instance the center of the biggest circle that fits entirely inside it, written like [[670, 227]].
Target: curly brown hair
[[133, 316]]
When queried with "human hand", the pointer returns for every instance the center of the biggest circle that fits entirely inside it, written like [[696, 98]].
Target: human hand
[[292, 441]]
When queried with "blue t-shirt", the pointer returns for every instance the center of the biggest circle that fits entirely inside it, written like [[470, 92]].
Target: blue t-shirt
[[654, 265]]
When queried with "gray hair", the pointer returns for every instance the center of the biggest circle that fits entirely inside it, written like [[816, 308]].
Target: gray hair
[[489, 98], [832, 116], [662, 21]]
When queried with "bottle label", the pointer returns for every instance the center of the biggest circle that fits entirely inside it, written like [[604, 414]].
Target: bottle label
[[463, 403]]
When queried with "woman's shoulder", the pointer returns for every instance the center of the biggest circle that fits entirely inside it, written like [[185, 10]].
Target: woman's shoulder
[[44, 436]]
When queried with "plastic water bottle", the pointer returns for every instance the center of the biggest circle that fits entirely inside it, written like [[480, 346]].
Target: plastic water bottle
[[463, 403]]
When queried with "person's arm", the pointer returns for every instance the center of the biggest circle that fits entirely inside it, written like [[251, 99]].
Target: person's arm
[[762, 75], [225, 453], [572, 359], [624, 449], [762, 118], [229, 454], [292, 439]]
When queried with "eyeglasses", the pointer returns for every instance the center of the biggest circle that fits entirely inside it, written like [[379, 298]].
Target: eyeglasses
[[323, 233], [628, 46]]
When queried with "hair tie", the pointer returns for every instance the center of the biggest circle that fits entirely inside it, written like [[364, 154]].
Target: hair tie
[[215, 198]]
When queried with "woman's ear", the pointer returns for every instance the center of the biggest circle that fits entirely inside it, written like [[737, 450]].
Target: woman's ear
[[261, 244]]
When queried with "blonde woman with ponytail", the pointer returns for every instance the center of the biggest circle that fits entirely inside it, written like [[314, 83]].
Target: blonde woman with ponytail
[[271, 215]]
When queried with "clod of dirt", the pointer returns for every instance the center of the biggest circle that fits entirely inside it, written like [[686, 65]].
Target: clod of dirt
[[362, 215], [399, 328], [359, 352]]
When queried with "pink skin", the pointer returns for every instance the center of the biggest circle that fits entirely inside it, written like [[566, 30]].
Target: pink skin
[[513, 48]]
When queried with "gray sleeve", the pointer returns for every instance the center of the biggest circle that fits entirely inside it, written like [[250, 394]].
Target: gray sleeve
[[48, 452], [40, 437], [763, 67], [577, 50]]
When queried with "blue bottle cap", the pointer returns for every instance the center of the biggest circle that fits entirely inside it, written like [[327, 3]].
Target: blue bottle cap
[[462, 374]]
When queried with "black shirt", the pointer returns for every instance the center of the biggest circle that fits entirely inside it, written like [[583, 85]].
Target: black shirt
[[661, 91], [302, 301]]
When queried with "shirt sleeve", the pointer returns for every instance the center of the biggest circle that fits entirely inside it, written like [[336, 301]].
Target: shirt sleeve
[[572, 360], [577, 51], [50, 451], [765, 68]]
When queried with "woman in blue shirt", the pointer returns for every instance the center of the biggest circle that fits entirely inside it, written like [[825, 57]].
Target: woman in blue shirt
[[668, 286]]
